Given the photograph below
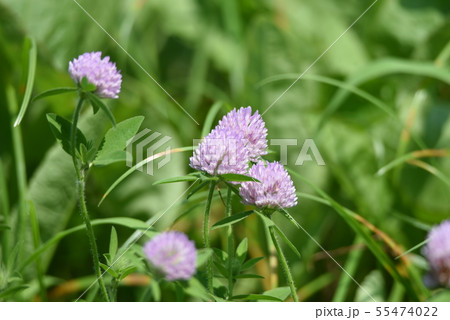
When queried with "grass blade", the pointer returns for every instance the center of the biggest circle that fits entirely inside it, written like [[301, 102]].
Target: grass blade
[[140, 165], [210, 117], [32, 55], [401, 273]]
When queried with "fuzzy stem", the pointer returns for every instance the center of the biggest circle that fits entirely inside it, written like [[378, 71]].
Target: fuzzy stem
[[230, 245], [209, 267], [81, 185], [284, 264]]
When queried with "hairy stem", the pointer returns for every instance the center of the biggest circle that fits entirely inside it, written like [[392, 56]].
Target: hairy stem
[[230, 245], [209, 266], [284, 264], [81, 185]]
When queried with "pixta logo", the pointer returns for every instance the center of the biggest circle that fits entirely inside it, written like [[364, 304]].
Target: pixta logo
[[143, 146], [308, 150]]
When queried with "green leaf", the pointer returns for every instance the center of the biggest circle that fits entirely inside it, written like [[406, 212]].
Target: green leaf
[[87, 86], [223, 271], [53, 92], [98, 104], [197, 290], [156, 290], [233, 188], [221, 255], [256, 297], [197, 188], [30, 79], [270, 224], [12, 290], [176, 179], [417, 246], [60, 128], [203, 255], [250, 263], [126, 272], [281, 293], [232, 219], [112, 149], [286, 240], [241, 251], [237, 177], [113, 243], [109, 270]]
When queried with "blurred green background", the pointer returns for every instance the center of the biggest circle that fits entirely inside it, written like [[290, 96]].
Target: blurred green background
[[382, 91]]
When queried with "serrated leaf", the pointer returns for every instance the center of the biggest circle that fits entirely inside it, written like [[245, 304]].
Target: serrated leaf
[[176, 179], [232, 219], [237, 177], [113, 243], [115, 141], [98, 104], [241, 251], [250, 263], [60, 128], [203, 255]]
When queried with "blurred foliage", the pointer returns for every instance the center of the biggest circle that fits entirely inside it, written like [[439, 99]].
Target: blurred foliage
[[207, 51]]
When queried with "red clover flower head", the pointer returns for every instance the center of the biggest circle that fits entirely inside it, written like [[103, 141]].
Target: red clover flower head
[[275, 189], [173, 255], [100, 72], [222, 151], [437, 252], [252, 127]]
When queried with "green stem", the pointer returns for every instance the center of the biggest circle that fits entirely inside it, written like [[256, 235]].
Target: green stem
[[81, 185], [209, 266], [21, 174], [37, 242], [4, 199], [284, 264], [230, 245]]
